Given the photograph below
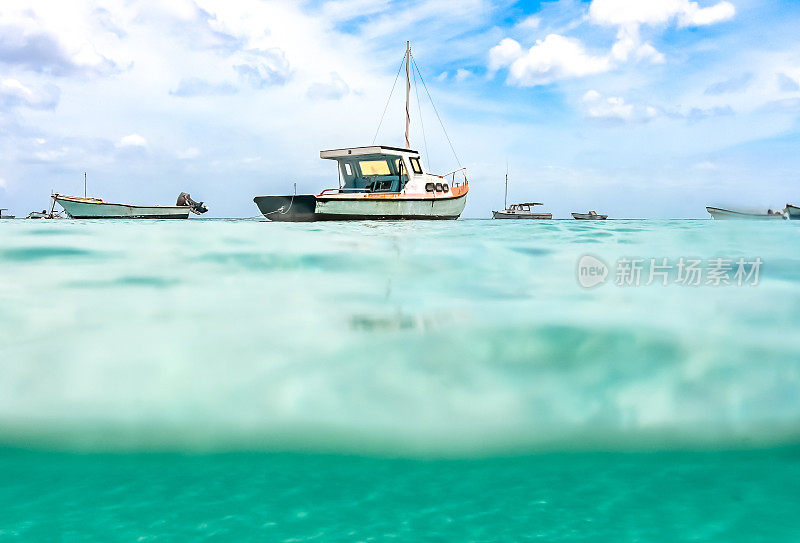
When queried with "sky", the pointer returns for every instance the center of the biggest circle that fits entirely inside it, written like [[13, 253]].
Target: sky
[[635, 108]]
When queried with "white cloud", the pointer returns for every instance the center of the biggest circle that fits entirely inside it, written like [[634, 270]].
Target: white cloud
[[12, 93], [132, 140], [556, 57], [265, 68], [630, 15], [598, 106], [189, 153], [658, 12], [530, 23], [629, 45], [2, 182], [51, 37], [787, 83], [504, 54], [559, 57], [462, 74], [335, 89], [51, 155]]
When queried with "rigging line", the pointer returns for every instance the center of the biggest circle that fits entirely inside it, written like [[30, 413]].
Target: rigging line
[[389, 99], [414, 61], [421, 122]]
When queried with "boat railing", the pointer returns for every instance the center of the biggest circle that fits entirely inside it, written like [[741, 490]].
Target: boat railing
[[452, 176], [339, 190]]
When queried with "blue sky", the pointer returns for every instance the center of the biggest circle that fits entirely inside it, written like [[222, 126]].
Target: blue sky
[[636, 108]]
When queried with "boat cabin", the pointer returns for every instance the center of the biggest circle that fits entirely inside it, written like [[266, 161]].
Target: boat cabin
[[377, 168], [522, 208]]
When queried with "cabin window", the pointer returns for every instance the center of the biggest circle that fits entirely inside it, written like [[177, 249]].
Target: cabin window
[[374, 167], [348, 169], [415, 165]]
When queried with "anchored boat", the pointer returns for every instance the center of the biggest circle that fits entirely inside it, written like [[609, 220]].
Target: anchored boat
[[376, 182], [86, 207], [793, 212], [591, 216], [78, 207], [5, 216], [519, 211], [728, 214]]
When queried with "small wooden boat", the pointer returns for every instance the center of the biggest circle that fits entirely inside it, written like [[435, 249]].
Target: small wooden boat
[[793, 212], [5, 216], [728, 214], [591, 216], [521, 211], [78, 207]]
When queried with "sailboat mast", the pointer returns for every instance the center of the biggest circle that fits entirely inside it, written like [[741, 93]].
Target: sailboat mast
[[408, 94], [505, 199]]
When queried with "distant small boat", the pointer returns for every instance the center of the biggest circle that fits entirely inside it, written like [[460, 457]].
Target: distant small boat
[[5, 216], [521, 211], [793, 212], [727, 214], [591, 216], [94, 208]]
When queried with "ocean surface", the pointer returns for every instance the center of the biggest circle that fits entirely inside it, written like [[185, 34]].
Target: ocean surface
[[248, 380]]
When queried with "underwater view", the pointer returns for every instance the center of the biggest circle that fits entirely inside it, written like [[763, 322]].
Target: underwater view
[[454, 381]]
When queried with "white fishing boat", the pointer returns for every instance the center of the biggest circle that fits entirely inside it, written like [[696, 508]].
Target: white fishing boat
[[591, 216], [793, 212], [521, 211], [729, 214], [5, 216], [376, 182]]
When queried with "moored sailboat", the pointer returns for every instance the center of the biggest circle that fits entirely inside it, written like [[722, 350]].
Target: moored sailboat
[[376, 182], [519, 211]]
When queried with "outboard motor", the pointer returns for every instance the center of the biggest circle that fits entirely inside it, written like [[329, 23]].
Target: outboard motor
[[184, 200]]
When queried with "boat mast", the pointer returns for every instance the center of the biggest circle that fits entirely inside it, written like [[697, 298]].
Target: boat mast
[[408, 93], [505, 199], [84, 184]]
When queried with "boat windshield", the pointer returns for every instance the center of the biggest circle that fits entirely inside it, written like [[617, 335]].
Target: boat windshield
[[374, 173]]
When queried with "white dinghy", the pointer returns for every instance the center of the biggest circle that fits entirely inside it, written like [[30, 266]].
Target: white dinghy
[[729, 214], [86, 207]]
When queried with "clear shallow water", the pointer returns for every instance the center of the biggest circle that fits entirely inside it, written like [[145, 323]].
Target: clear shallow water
[[451, 346]]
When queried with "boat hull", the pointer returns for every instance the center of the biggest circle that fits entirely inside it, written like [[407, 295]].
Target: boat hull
[[308, 207], [588, 217], [78, 209], [793, 212], [529, 216], [727, 215]]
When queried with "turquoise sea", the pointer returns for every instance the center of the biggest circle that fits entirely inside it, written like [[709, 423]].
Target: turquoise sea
[[247, 380]]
